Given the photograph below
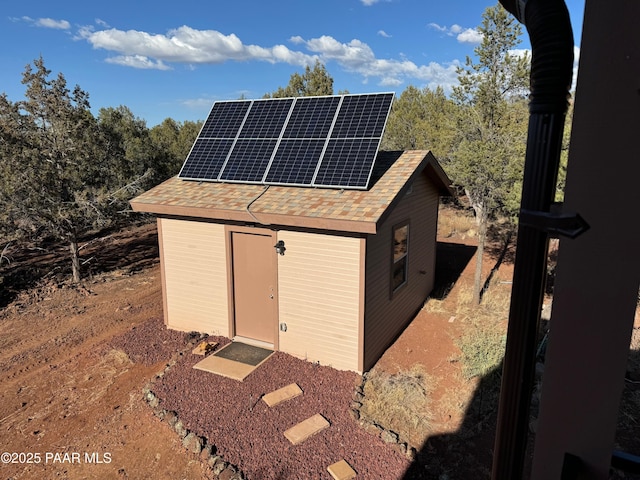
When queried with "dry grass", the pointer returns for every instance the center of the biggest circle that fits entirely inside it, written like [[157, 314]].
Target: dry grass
[[457, 222], [399, 402], [483, 342]]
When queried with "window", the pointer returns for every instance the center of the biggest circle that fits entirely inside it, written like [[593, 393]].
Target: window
[[400, 267]]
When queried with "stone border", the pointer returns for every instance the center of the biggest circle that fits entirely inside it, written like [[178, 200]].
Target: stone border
[[387, 436], [207, 452]]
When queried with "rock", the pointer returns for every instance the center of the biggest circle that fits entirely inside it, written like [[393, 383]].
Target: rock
[[388, 436], [171, 418], [192, 442], [219, 466], [180, 429], [371, 428], [411, 453], [207, 451], [152, 400], [355, 414]]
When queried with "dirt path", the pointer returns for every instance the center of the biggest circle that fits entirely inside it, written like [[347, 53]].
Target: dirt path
[[69, 403]]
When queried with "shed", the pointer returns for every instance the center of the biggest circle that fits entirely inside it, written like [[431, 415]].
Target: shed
[[328, 275]]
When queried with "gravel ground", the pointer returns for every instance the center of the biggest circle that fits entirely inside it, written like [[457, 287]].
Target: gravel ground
[[247, 433], [151, 342]]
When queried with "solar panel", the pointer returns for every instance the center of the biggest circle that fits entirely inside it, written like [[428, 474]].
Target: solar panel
[[266, 118], [225, 119], [248, 161], [206, 158], [362, 116], [295, 162], [347, 162], [328, 141], [312, 117]]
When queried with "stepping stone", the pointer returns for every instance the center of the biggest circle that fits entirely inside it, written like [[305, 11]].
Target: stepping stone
[[341, 470], [282, 394], [303, 430]]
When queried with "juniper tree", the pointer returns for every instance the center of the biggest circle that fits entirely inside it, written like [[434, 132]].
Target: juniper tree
[[488, 153], [55, 161]]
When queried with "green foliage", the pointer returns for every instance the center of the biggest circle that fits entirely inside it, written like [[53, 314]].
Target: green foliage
[[421, 119], [56, 169], [488, 158], [313, 82], [172, 141], [64, 172]]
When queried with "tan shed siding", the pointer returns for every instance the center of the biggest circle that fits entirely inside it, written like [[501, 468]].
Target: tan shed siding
[[319, 298], [386, 315], [195, 272]]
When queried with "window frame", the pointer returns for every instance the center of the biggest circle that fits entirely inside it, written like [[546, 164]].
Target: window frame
[[403, 260]]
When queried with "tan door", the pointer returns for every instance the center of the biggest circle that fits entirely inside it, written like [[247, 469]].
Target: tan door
[[254, 282]]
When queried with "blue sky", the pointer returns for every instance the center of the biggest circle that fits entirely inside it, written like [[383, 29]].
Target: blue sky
[[174, 59]]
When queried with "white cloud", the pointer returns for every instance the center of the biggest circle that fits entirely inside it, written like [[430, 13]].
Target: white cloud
[[576, 61], [463, 35], [520, 52], [357, 57], [138, 61], [198, 103], [188, 46], [384, 34], [46, 22], [368, 3], [185, 45], [470, 35], [435, 26]]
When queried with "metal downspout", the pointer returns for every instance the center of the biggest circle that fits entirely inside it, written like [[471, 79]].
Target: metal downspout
[[549, 28]]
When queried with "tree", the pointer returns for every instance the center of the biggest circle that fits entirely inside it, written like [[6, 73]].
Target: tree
[[421, 119], [130, 149], [56, 166], [172, 141], [314, 81], [488, 157]]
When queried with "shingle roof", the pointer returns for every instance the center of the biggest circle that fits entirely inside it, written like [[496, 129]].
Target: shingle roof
[[346, 210]]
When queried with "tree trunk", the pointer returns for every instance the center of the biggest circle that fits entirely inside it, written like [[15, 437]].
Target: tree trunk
[[477, 278], [75, 260]]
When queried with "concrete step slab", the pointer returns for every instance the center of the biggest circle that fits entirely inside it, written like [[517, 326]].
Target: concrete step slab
[[341, 470], [282, 394], [303, 430]]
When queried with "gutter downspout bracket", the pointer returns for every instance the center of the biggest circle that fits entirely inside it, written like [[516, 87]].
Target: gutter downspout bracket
[[555, 224]]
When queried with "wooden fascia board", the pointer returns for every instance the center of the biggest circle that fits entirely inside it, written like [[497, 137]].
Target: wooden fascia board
[[439, 177], [318, 223]]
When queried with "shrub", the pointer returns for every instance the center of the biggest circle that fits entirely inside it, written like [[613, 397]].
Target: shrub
[[399, 401]]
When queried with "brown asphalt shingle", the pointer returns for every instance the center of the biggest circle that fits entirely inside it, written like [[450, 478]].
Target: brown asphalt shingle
[[349, 210]]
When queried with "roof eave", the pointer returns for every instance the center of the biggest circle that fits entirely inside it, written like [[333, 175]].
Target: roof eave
[[322, 223]]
